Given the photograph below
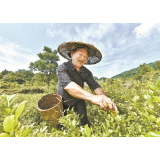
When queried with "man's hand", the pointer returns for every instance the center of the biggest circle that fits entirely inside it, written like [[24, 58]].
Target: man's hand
[[110, 104], [107, 103], [104, 102], [98, 100]]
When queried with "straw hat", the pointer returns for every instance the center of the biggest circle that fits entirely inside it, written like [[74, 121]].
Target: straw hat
[[94, 55]]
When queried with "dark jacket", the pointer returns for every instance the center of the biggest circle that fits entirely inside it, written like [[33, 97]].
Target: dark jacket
[[67, 73]]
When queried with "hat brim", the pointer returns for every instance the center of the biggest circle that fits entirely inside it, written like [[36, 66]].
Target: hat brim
[[94, 55]]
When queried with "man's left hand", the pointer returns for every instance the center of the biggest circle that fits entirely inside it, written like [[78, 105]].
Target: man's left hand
[[110, 105]]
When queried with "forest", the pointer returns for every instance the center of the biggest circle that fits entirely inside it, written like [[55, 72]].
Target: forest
[[136, 93]]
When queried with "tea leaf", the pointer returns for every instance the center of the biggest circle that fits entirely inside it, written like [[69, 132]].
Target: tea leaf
[[8, 110], [8, 124], [2, 107], [146, 96], [158, 82], [14, 108], [158, 121], [26, 132], [20, 109], [4, 96], [17, 125], [156, 98], [4, 135], [87, 131], [9, 98], [1, 128], [152, 86], [135, 98], [74, 122], [153, 134]]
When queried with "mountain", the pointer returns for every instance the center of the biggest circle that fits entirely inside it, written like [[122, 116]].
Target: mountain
[[134, 71]]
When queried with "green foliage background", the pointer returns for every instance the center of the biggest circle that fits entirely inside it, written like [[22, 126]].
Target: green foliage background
[[137, 101], [137, 98]]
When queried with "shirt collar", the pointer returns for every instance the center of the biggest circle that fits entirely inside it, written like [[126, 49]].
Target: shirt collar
[[70, 65]]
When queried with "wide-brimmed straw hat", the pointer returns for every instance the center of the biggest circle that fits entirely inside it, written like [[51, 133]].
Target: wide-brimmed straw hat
[[94, 55]]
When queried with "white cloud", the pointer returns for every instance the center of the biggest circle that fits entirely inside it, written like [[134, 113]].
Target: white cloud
[[59, 30], [13, 56], [50, 32], [100, 35], [81, 32], [145, 29], [93, 33], [120, 49]]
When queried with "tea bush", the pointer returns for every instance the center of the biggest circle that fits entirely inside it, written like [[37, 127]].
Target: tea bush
[[138, 103]]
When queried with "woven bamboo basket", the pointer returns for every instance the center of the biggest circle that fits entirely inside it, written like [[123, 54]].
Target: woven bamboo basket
[[51, 107]]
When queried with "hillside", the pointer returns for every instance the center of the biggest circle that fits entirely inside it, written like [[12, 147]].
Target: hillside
[[137, 116], [134, 71]]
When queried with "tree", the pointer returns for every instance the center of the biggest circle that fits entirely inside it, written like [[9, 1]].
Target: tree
[[19, 77], [4, 72], [46, 65], [9, 77], [1, 75], [27, 75], [158, 65], [95, 78], [137, 77], [6, 78], [145, 68]]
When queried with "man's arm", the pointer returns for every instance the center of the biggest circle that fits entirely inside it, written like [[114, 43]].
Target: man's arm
[[76, 91], [99, 91]]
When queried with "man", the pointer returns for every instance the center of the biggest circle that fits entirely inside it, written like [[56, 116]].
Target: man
[[72, 75]]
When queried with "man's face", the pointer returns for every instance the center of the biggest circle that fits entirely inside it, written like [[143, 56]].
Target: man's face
[[79, 58]]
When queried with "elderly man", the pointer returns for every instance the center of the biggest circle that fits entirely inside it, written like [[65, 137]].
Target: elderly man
[[72, 75]]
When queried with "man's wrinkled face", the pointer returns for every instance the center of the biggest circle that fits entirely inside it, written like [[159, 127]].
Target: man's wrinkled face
[[79, 58]]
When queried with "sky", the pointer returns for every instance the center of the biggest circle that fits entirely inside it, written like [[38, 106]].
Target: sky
[[123, 45]]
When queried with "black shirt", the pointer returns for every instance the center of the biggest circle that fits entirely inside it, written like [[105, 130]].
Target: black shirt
[[67, 73]]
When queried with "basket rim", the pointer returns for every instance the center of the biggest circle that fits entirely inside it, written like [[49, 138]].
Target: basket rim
[[51, 107]]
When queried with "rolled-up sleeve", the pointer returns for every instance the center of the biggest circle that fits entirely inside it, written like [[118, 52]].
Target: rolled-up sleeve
[[63, 76], [91, 82]]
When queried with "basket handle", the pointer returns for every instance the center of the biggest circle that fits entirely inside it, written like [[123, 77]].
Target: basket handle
[[68, 100], [58, 98]]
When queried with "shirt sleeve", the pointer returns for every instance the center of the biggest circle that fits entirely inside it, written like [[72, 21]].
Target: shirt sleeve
[[63, 76], [91, 82]]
